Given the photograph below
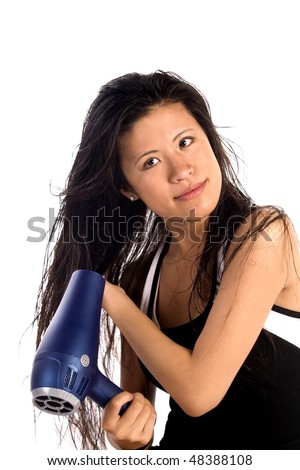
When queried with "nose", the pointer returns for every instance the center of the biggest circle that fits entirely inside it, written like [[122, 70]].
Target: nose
[[179, 169]]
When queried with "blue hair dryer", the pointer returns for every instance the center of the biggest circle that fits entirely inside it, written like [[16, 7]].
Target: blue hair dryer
[[65, 368]]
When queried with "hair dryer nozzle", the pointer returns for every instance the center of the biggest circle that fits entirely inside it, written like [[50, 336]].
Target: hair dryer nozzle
[[55, 401]]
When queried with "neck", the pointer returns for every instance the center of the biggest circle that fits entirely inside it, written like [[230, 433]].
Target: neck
[[187, 238]]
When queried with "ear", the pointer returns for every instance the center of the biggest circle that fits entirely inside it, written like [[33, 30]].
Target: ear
[[129, 194]]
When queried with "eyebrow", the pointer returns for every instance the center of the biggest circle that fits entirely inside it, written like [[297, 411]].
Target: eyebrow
[[149, 152]]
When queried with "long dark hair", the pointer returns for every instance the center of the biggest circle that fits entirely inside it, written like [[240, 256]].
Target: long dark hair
[[97, 228]]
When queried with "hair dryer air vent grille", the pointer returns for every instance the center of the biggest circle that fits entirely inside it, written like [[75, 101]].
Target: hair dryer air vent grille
[[54, 404], [82, 386], [55, 401], [70, 378]]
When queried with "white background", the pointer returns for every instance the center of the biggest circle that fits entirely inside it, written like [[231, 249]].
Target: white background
[[55, 55]]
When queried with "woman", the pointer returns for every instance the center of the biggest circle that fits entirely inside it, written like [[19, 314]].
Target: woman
[[194, 269]]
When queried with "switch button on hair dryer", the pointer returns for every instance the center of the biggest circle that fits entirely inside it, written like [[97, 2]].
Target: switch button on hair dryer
[[65, 367]]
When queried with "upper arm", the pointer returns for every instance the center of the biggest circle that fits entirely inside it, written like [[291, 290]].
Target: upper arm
[[249, 287]]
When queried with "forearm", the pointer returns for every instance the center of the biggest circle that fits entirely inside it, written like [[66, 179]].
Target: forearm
[[117, 447], [170, 363], [112, 442]]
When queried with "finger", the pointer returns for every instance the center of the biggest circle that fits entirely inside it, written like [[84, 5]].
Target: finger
[[140, 432], [143, 414], [111, 414], [149, 424], [135, 427]]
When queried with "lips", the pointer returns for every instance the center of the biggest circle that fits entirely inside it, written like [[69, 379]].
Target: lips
[[192, 191]]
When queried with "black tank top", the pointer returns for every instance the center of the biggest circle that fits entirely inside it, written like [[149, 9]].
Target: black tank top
[[261, 409]]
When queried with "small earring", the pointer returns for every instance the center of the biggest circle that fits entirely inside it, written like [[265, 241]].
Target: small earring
[[132, 198]]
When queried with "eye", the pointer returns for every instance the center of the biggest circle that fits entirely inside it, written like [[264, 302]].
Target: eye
[[185, 142], [150, 163]]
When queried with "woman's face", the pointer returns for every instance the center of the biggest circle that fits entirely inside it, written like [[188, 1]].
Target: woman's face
[[168, 162]]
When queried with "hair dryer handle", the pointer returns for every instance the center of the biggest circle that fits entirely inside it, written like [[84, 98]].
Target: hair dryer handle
[[103, 390]]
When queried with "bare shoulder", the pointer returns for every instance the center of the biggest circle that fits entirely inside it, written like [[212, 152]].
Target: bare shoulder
[[265, 227], [267, 241]]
